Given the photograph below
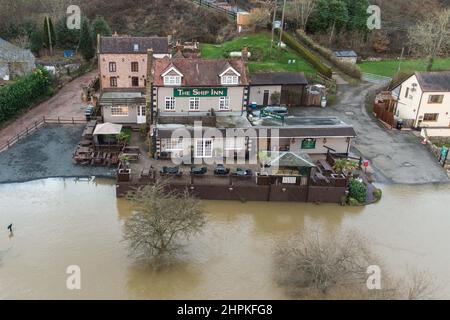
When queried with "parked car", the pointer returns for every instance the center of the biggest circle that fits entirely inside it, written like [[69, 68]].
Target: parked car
[[276, 109], [171, 171], [199, 171], [243, 172], [220, 170]]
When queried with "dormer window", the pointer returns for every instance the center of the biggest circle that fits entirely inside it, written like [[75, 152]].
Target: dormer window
[[230, 80], [136, 47], [172, 80], [229, 77]]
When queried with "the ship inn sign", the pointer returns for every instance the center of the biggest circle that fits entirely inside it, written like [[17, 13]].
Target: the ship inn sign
[[200, 92]]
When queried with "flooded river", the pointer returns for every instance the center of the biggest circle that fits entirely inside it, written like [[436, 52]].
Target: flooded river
[[58, 223]]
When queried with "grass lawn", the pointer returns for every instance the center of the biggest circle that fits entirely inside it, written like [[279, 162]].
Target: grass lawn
[[259, 45], [389, 68]]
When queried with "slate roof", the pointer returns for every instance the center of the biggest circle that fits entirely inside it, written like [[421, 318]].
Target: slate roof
[[290, 159], [199, 72], [160, 45], [345, 54], [12, 53], [278, 78], [437, 81]]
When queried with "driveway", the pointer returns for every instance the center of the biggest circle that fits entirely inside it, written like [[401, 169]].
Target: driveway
[[66, 103], [395, 156]]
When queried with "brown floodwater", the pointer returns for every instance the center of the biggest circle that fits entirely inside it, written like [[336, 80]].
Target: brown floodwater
[[62, 222]]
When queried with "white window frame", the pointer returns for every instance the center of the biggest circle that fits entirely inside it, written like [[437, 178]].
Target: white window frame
[[173, 144], [169, 103], [230, 80], [201, 149], [119, 111], [194, 104], [172, 80], [224, 103]]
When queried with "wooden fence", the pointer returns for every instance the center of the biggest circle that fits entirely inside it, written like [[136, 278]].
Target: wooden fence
[[383, 113], [36, 125]]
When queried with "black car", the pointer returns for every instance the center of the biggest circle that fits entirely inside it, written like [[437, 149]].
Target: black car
[[171, 171], [220, 170], [199, 171]]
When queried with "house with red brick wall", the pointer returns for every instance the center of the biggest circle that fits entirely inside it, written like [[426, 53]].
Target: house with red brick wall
[[122, 63]]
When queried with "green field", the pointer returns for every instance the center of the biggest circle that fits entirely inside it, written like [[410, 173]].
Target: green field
[[389, 68], [259, 46]]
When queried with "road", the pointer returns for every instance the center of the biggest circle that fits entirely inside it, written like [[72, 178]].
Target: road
[[67, 102], [395, 156]]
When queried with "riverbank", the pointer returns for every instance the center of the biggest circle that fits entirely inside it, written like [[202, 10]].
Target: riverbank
[[47, 153]]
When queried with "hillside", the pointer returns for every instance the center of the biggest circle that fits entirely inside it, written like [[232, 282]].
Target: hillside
[[258, 45]]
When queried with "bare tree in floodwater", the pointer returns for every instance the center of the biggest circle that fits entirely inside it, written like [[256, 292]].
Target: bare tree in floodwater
[[314, 266], [161, 220]]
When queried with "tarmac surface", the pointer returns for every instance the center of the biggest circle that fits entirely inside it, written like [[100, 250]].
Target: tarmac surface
[[47, 153], [394, 156]]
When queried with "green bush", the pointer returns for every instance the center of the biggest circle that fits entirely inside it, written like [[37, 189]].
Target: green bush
[[23, 93], [348, 68], [352, 202], [308, 55], [357, 190], [377, 193]]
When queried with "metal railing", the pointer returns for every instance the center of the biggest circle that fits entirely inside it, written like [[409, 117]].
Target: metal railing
[[37, 125], [210, 4]]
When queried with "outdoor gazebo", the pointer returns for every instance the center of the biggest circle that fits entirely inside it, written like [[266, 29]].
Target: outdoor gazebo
[[106, 133]]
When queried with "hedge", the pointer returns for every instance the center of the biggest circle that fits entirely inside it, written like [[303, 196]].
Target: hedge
[[307, 55], [22, 93], [348, 68]]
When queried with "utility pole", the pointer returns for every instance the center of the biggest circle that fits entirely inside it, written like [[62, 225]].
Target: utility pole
[[401, 58], [282, 24], [273, 25]]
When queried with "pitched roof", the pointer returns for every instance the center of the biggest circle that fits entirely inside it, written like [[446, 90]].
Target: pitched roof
[[199, 72], [437, 81], [345, 53], [280, 78], [289, 159], [160, 45]]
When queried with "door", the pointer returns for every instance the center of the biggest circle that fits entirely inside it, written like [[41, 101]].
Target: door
[[266, 98], [141, 115]]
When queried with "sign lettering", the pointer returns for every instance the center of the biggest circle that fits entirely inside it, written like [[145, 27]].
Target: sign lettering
[[200, 92]]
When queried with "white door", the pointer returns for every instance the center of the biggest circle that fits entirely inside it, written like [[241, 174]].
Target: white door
[[141, 115]]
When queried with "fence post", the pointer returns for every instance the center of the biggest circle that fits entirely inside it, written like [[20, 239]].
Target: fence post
[[43, 119], [58, 120], [73, 121]]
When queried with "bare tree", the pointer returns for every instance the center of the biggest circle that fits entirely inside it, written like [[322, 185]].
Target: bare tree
[[161, 221], [420, 285], [301, 11], [430, 38]]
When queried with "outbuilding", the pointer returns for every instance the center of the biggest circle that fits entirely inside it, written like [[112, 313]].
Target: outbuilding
[[286, 87]]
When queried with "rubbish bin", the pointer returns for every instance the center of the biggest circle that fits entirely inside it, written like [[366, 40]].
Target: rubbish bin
[[399, 124]]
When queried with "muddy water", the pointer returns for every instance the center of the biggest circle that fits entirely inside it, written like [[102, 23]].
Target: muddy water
[[63, 222]]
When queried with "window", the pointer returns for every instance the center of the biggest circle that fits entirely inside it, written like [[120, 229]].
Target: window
[[134, 67], [172, 80], [112, 67], [194, 104], [135, 81], [119, 111], [224, 103], [436, 99], [407, 93], [309, 144], [203, 148], [172, 144], [430, 116], [230, 80], [113, 82], [170, 103], [136, 47]]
